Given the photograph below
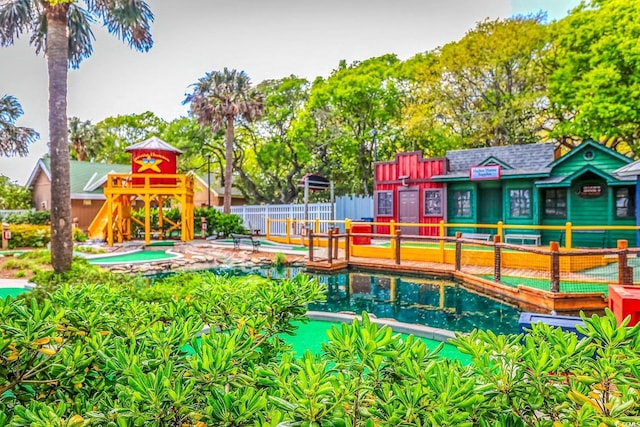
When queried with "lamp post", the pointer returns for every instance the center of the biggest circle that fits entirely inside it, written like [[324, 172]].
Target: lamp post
[[208, 180]]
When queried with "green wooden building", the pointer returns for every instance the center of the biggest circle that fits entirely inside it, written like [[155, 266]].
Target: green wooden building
[[531, 185]]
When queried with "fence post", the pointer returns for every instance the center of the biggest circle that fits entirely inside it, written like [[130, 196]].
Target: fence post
[[625, 273], [268, 228], [497, 257], [500, 231], [554, 249], [330, 246], [392, 232], [442, 232], [569, 236], [336, 247], [310, 244], [287, 224], [458, 250], [347, 243], [397, 240]]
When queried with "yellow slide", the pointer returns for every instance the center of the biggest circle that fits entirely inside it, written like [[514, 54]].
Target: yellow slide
[[98, 227]]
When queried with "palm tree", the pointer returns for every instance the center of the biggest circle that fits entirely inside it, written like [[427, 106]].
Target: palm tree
[[61, 30], [218, 100], [13, 139], [84, 139]]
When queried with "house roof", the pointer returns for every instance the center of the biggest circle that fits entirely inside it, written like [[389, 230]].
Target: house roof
[[153, 143], [515, 160], [524, 156], [632, 169], [566, 180], [86, 177]]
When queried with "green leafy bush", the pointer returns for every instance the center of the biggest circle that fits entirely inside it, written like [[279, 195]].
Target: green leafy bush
[[29, 236], [78, 235], [121, 350], [218, 223], [31, 217]]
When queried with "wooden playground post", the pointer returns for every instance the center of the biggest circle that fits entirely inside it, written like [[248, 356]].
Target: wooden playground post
[[397, 240], [458, 250], [554, 249], [330, 246], [497, 259], [310, 245], [441, 233], [625, 273], [347, 244]]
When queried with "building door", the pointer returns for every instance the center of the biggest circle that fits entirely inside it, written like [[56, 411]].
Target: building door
[[489, 206], [409, 210]]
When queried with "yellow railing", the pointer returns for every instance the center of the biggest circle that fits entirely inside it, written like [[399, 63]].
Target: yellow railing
[[296, 229]]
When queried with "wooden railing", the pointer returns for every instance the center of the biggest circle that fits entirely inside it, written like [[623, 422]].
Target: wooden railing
[[296, 229], [554, 266]]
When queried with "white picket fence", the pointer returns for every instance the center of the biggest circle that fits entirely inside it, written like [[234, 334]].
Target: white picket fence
[[255, 216]]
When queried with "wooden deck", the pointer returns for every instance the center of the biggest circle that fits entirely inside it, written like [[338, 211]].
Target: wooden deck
[[524, 297]]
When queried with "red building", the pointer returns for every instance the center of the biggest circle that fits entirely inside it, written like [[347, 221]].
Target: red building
[[154, 156], [404, 192]]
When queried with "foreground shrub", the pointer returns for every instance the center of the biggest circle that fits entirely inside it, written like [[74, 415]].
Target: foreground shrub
[[109, 352]]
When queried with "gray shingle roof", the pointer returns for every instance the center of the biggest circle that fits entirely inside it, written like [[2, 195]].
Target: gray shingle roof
[[528, 158]]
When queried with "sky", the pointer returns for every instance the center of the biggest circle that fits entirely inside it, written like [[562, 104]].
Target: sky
[[268, 39]]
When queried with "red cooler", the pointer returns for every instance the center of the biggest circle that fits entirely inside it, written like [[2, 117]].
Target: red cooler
[[625, 301]]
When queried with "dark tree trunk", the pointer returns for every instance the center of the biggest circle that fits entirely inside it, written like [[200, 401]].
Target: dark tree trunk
[[57, 57], [228, 168]]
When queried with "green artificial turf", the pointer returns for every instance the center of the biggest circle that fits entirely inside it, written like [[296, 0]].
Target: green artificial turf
[[544, 284], [140, 256], [11, 292]]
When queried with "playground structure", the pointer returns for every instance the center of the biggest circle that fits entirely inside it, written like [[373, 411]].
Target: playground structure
[[153, 183]]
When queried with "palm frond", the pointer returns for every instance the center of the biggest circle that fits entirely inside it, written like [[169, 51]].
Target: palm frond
[[13, 139], [81, 37], [16, 17], [129, 20]]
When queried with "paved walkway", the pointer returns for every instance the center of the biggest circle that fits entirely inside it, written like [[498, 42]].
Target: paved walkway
[[13, 283]]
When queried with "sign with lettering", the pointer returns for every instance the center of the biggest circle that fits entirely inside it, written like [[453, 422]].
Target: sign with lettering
[[590, 191], [477, 173]]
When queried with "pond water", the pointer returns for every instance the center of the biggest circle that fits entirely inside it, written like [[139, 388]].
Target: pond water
[[430, 301]]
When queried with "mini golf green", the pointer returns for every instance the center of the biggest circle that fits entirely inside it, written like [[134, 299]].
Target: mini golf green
[[11, 292], [133, 257], [544, 284], [311, 335]]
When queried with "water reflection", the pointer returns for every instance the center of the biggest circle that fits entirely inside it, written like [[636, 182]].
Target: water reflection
[[428, 301]]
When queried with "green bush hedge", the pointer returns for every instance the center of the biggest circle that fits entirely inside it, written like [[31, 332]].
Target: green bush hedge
[[32, 217], [29, 236], [108, 350], [218, 223]]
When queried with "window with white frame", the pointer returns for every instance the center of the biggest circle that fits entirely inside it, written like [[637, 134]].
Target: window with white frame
[[520, 202], [461, 200], [433, 202]]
